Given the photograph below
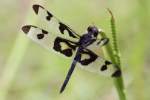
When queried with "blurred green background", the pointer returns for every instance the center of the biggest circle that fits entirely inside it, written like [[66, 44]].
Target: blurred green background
[[29, 72]]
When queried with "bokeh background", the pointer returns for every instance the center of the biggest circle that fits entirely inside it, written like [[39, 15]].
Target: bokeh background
[[29, 72]]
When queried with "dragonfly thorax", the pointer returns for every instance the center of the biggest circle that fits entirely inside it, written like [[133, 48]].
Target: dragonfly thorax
[[89, 37]]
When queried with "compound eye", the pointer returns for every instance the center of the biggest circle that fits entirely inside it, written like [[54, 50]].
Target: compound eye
[[89, 29]]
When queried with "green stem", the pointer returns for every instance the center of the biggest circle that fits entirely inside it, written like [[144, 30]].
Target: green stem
[[113, 53], [12, 65]]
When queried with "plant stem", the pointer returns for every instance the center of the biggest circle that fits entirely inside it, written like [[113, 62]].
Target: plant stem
[[12, 65], [113, 53]]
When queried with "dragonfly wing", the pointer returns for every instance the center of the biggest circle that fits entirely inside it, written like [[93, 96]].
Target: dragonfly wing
[[55, 25], [50, 41], [94, 63]]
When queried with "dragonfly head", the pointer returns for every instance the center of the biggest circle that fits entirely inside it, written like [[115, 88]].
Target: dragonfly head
[[93, 30]]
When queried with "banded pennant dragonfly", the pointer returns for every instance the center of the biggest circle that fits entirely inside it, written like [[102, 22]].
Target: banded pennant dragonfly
[[63, 40]]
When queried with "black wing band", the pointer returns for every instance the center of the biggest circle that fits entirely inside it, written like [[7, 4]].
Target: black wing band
[[64, 46]]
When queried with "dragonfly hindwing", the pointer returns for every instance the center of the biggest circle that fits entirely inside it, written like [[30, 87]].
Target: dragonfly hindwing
[[94, 63]]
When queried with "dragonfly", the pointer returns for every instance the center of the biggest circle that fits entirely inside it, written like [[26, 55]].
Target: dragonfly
[[64, 40]]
